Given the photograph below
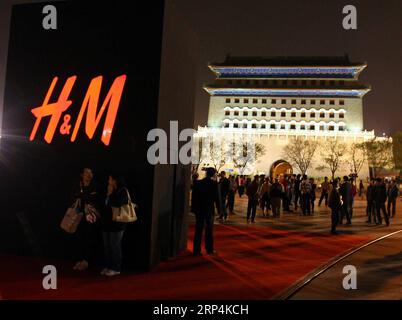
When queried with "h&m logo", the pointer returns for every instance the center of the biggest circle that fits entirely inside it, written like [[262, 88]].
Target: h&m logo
[[89, 105]]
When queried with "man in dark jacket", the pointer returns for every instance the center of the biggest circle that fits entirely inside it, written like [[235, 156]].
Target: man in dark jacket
[[380, 199], [370, 209], [393, 192], [252, 194], [335, 204], [205, 197], [346, 193], [224, 186]]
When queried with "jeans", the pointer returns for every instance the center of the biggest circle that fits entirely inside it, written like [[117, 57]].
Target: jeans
[[112, 247]]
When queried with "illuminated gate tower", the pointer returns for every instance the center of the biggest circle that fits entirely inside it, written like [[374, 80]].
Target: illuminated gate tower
[[276, 98]]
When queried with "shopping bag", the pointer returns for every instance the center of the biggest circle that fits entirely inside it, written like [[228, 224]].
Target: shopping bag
[[72, 218], [125, 213]]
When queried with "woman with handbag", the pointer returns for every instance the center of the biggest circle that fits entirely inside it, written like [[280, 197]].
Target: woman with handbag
[[118, 198], [86, 197]]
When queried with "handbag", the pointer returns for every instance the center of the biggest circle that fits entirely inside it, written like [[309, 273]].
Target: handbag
[[126, 213], [72, 218]]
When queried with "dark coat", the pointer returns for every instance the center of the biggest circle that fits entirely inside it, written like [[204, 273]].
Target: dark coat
[[334, 201], [346, 192], [205, 197], [380, 193], [224, 186], [252, 190]]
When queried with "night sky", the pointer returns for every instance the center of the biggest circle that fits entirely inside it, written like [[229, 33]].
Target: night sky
[[291, 28], [312, 28]]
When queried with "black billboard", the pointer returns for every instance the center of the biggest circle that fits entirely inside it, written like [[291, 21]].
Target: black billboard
[[83, 95]]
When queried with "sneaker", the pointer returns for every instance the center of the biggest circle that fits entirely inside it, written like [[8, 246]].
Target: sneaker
[[112, 273], [104, 271], [83, 265]]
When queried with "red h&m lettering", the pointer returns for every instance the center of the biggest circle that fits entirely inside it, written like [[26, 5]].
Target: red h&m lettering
[[90, 105]]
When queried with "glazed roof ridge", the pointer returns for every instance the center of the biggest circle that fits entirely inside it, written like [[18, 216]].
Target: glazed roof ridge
[[250, 61]]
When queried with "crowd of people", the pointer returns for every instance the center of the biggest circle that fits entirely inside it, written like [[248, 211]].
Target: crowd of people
[[289, 193]]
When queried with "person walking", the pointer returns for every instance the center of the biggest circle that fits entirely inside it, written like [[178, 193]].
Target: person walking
[[370, 204], [241, 186], [393, 192], [324, 192], [297, 191], [252, 194], [335, 204], [305, 189], [204, 200], [231, 194], [346, 194], [361, 188], [224, 186], [312, 194], [380, 199], [264, 197], [276, 195]]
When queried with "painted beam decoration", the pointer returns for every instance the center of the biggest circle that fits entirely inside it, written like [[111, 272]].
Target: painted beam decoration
[[347, 93], [294, 72]]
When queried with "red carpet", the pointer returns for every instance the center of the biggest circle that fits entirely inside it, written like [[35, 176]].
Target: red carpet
[[252, 263]]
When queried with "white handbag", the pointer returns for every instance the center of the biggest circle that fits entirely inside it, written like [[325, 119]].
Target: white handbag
[[126, 213]]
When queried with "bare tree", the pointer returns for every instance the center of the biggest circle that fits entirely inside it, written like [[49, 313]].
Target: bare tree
[[379, 154], [215, 149], [332, 156], [299, 152], [197, 154], [246, 154], [356, 158]]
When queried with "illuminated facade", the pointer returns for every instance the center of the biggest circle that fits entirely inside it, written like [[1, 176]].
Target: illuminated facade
[[273, 99]]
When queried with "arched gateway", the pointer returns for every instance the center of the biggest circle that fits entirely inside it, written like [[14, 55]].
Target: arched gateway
[[280, 168]]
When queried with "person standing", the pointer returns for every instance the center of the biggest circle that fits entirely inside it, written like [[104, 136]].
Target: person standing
[[224, 186], [370, 207], [297, 190], [204, 200], [305, 189], [361, 188], [380, 199], [276, 194], [264, 197], [113, 231], [252, 194], [241, 186], [231, 194], [335, 205], [393, 192], [346, 194], [88, 233], [312, 194], [324, 192], [353, 191]]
